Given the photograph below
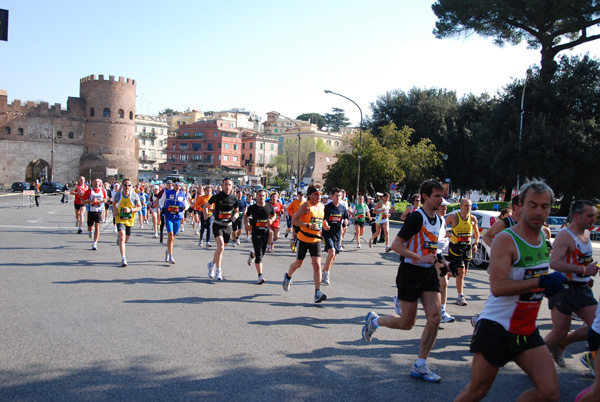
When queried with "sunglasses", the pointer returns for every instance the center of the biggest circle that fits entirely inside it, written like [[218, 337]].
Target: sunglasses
[[127, 185]]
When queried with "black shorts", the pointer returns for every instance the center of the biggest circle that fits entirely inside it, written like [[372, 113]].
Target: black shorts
[[78, 206], [332, 242], [197, 211], [413, 280], [498, 346], [593, 339], [302, 247], [361, 224], [93, 217], [459, 253], [223, 231], [238, 224], [573, 298], [122, 226]]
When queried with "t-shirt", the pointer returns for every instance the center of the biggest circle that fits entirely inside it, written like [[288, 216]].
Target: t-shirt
[[225, 207], [259, 217], [335, 217], [242, 205]]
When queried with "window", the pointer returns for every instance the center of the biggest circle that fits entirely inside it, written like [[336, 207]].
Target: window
[[272, 147], [261, 145], [251, 145], [20, 131], [328, 142], [130, 115], [199, 134], [174, 147], [197, 158], [250, 157], [152, 142], [337, 143], [216, 134], [143, 141], [244, 146], [219, 156], [59, 134], [210, 158], [185, 133], [121, 114], [271, 160], [209, 146], [183, 157], [235, 147], [243, 157], [226, 145], [226, 157], [71, 136], [219, 145], [6, 130], [235, 159], [183, 146], [91, 112], [276, 130], [260, 158], [106, 112]]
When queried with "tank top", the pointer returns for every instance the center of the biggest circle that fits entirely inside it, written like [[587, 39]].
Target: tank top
[[517, 313], [462, 232], [582, 256], [96, 197], [361, 213], [128, 218], [424, 242], [82, 190], [384, 215], [174, 204], [200, 201], [315, 214]]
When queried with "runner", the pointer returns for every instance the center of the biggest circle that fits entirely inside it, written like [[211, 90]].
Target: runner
[[383, 209], [344, 202], [115, 190], [206, 218], [275, 227], [259, 216], [197, 205], [360, 212], [417, 277], [144, 211], [464, 229], [288, 218], [226, 211], [504, 223], [249, 201], [174, 202], [573, 256], [107, 202], [95, 198], [292, 209], [78, 191], [519, 279], [125, 204], [415, 201], [335, 215], [592, 393], [155, 209], [238, 223], [309, 220]]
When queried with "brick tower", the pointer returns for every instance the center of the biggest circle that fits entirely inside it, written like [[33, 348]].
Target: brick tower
[[109, 132]]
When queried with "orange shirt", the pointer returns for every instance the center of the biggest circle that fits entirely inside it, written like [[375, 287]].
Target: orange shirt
[[294, 206], [200, 201]]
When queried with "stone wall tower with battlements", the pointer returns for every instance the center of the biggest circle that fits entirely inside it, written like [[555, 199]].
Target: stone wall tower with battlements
[[109, 133]]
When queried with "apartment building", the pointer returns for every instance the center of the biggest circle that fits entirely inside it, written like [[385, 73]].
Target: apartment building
[[151, 133]]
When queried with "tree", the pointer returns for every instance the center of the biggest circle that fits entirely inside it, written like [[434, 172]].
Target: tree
[[278, 182], [553, 26], [315, 118], [337, 119], [287, 161], [168, 110]]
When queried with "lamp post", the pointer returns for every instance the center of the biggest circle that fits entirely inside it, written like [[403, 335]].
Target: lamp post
[[298, 127], [528, 73], [359, 138]]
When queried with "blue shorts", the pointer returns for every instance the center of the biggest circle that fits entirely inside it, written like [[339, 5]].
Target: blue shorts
[[172, 225]]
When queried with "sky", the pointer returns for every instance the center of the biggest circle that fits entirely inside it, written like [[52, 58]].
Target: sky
[[262, 55]]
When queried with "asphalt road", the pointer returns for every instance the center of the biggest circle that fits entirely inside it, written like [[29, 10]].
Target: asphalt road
[[78, 327]]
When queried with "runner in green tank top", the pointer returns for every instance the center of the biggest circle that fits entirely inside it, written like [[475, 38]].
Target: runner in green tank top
[[360, 212]]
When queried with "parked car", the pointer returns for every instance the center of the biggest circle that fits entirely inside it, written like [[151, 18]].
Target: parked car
[[556, 223], [485, 220], [51, 187], [19, 186]]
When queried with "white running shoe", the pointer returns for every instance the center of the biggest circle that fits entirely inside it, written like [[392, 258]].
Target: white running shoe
[[123, 262], [237, 241], [171, 260], [182, 228], [369, 328], [325, 279], [446, 317], [320, 296], [156, 235], [261, 280], [461, 301], [219, 275], [358, 245], [287, 282], [247, 240], [424, 373], [558, 355], [474, 320], [397, 307], [208, 244], [94, 246], [250, 257], [388, 249], [196, 232], [211, 270]]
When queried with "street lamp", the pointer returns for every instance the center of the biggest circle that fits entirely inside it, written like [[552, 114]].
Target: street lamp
[[528, 74], [298, 127], [359, 138]]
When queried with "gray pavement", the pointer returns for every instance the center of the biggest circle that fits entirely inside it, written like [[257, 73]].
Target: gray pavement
[[76, 326]]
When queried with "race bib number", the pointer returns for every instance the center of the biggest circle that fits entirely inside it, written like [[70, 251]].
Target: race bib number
[[318, 221], [124, 215], [173, 209], [360, 217], [430, 247], [385, 216], [225, 215], [537, 294], [463, 238], [335, 218], [262, 223]]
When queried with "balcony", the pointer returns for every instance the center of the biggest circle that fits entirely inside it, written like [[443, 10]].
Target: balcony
[[147, 159]]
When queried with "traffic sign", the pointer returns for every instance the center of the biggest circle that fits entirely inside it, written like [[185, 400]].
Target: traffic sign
[[302, 184], [393, 186]]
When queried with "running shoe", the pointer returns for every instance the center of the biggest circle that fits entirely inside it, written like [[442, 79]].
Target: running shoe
[[166, 255], [287, 282], [247, 240], [474, 320], [141, 225], [575, 317], [233, 243], [461, 300], [558, 355], [79, 231], [171, 260], [261, 280], [219, 275], [370, 243], [293, 246], [388, 249], [182, 228], [211, 269], [94, 246], [286, 234], [269, 248], [208, 244], [200, 243], [325, 279], [446, 318], [250, 257], [397, 305], [123, 262], [369, 329], [196, 232], [155, 235], [115, 230], [320, 297], [588, 362], [358, 245], [424, 373], [237, 241], [342, 249]]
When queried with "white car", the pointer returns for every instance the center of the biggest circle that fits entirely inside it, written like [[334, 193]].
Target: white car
[[556, 223], [485, 220]]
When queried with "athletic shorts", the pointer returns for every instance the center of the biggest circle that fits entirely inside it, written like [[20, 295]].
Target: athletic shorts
[[238, 224], [302, 247], [361, 224], [572, 298], [332, 242], [276, 226], [223, 231], [593, 339], [173, 225], [460, 253], [197, 211], [121, 226], [93, 217], [78, 206], [498, 346], [413, 280]]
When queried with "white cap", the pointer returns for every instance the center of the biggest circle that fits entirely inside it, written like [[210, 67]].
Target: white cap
[[445, 202]]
